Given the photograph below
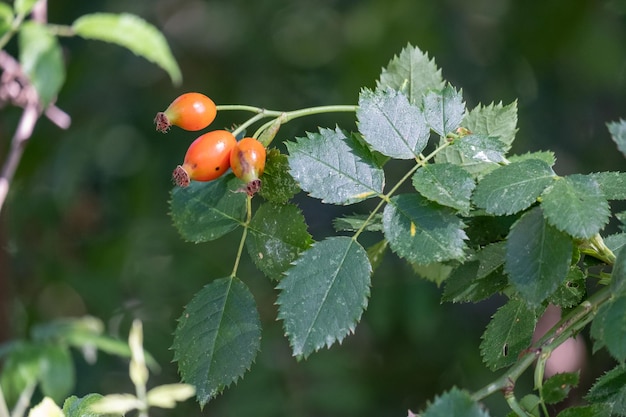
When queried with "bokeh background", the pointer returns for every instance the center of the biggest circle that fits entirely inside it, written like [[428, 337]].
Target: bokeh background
[[86, 227]]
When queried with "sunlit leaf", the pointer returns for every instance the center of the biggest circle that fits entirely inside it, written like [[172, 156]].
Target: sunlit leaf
[[610, 389], [278, 233], [334, 168], [46, 408], [513, 187], [168, 395], [422, 232], [132, 33], [42, 60], [6, 18], [278, 184], [537, 257], [494, 120], [116, 404], [576, 205], [455, 403], [618, 134], [444, 110], [217, 337], [324, 294], [612, 184], [412, 73], [208, 210], [391, 125], [24, 7], [446, 184], [508, 333], [477, 154], [81, 407]]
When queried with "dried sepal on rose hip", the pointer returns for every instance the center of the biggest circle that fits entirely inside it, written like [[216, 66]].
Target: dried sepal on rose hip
[[189, 111], [247, 160], [207, 158]]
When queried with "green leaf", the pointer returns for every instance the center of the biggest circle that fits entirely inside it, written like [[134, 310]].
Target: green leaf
[[168, 395], [391, 125], [610, 389], [57, 372], [217, 337], [422, 232], [46, 408], [444, 110], [509, 332], [324, 294], [455, 403], [42, 60], [537, 257], [612, 184], [6, 18], [411, 73], [477, 154], [570, 292], [376, 252], [21, 368], [593, 410], [435, 272], [132, 33], [557, 387], [24, 7], [494, 120], [278, 233], [446, 184], [208, 210], [81, 407], [478, 278], [608, 328], [576, 206], [278, 185], [618, 134], [335, 168], [514, 187], [354, 222], [615, 242], [546, 156]]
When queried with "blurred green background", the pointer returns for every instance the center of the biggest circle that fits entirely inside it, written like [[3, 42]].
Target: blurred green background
[[86, 227]]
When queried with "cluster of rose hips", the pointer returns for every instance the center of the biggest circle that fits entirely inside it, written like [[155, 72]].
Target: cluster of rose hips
[[211, 154]]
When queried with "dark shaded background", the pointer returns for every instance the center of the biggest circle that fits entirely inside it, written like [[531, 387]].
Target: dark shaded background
[[86, 227]]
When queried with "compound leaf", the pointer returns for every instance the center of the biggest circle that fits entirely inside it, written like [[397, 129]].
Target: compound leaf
[[618, 134], [334, 167], [514, 187], [477, 154], [217, 337], [576, 205], [508, 333], [206, 211], [324, 294], [444, 110], [455, 403], [422, 232], [446, 184], [132, 33], [610, 389], [391, 125], [411, 73], [278, 233], [612, 184], [494, 120], [537, 257]]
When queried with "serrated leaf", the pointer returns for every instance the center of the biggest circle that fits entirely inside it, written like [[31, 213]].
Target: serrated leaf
[[494, 120], [278, 234], [354, 222], [546, 156], [615, 242], [391, 125], [557, 387], [46, 408], [612, 184], [411, 73], [208, 210], [324, 294], [217, 337], [571, 291], [608, 328], [24, 7], [446, 184], [376, 252], [435, 272], [334, 168], [278, 185], [57, 377], [610, 389], [508, 333], [455, 403], [593, 410], [477, 154], [132, 33], [81, 407], [537, 257], [618, 134], [42, 60], [478, 278], [422, 232], [576, 206], [514, 187], [444, 109]]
